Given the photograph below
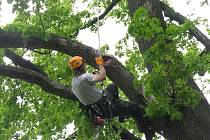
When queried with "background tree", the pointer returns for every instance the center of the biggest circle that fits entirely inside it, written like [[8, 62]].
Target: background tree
[[165, 100]]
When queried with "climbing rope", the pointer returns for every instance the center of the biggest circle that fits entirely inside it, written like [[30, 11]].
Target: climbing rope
[[98, 25], [99, 45]]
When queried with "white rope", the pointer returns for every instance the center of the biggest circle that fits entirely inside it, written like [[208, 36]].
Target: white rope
[[98, 24]]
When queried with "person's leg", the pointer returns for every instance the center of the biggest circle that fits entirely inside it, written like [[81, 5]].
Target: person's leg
[[112, 91]]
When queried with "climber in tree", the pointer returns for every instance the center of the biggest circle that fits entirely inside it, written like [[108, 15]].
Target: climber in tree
[[84, 86]]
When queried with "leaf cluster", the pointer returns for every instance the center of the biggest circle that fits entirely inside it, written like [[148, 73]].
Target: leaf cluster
[[173, 65], [46, 17]]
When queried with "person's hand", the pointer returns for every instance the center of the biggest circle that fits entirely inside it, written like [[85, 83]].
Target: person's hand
[[99, 61], [104, 60]]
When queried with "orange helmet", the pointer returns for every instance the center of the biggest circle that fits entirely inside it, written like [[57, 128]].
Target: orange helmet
[[75, 62]]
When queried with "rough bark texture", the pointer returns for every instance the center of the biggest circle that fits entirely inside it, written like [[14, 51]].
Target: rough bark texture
[[196, 123], [124, 108], [116, 71], [34, 77], [17, 60]]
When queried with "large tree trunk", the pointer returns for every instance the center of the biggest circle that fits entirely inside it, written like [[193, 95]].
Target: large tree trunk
[[196, 122]]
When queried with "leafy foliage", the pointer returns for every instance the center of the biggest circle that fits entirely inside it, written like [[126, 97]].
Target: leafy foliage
[[171, 70], [46, 17], [121, 13], [144, 26], [175, 58]]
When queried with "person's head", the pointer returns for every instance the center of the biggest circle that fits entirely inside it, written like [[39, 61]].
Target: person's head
[[77, 65]]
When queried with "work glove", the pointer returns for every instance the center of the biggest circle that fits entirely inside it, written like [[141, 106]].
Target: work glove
[[99, 61]]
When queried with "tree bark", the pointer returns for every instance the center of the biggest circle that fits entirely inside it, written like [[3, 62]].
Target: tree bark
[[169, 12], [196, 123], [124, 108], [17, 60], [116, 71], [41, 80]]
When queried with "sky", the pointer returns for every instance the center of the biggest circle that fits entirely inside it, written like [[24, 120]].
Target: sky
[[111, 32]]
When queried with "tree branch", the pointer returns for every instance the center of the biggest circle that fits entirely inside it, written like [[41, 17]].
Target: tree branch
[[169, 12], [125, 134], [124, 107], [95, 19], [106, 12], [17, 60], [130, 109], [116, 71], [34, 77], [163, 126]]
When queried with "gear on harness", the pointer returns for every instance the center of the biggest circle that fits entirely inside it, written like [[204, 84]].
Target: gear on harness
[[104, 108]]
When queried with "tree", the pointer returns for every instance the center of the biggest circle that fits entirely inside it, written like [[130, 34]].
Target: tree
[[165, 100]]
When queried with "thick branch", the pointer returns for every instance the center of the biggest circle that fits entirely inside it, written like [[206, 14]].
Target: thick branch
[[17, 60], [34, 77], [135, 111], [169, 12], [116, 72], [125, 134], [124, 108]]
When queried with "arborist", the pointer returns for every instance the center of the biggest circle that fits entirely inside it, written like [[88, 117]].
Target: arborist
[[84, 88]]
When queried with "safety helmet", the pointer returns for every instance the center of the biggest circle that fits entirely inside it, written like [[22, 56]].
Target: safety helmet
[[75, 62]]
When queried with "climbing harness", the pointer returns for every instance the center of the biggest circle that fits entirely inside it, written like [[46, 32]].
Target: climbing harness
[[101, 113]]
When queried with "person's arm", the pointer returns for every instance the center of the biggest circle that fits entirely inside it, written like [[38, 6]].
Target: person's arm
[[102, 72], [101, 76]]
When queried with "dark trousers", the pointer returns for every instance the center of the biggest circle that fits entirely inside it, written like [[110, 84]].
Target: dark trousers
[[103, 108]]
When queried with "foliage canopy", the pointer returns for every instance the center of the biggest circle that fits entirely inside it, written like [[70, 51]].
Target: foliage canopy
[[175, 58]]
